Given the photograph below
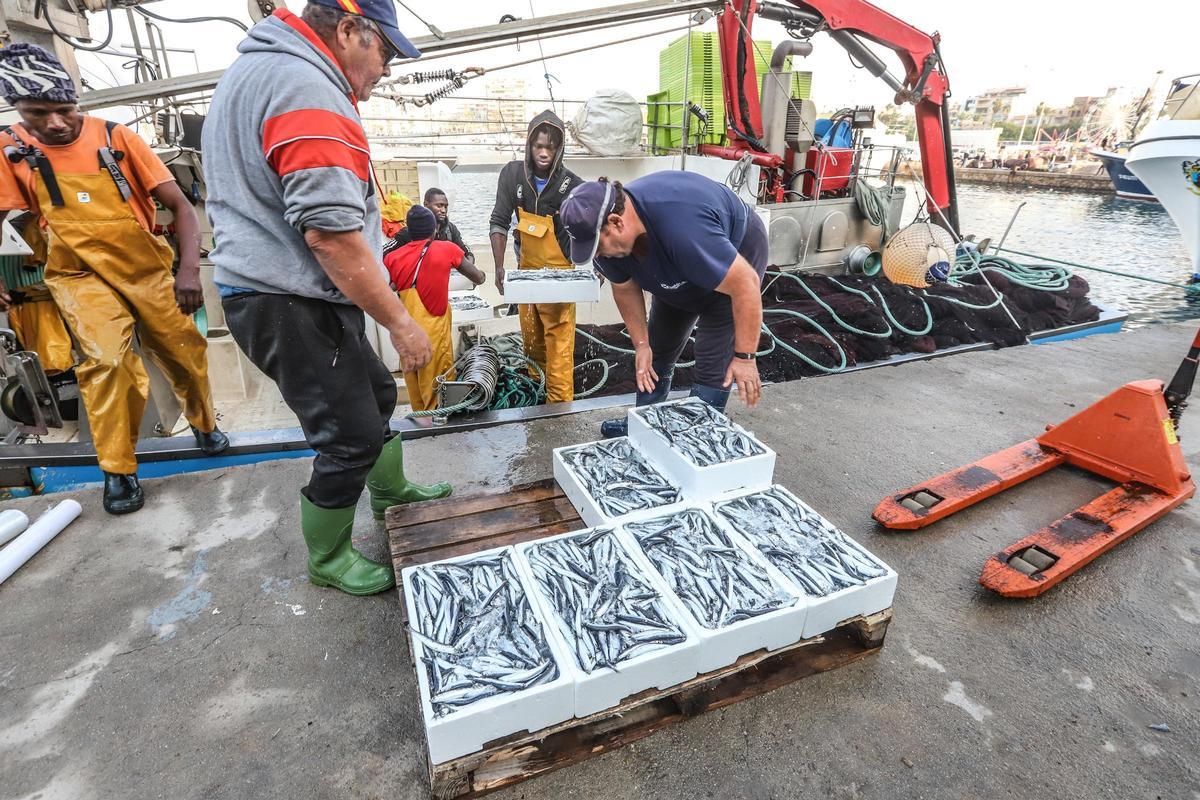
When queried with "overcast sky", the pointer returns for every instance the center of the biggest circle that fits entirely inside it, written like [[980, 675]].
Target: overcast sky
[[1058, 48]]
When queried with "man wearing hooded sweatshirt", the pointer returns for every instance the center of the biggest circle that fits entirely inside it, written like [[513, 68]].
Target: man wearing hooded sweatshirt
[[295, 212], [534, 188]]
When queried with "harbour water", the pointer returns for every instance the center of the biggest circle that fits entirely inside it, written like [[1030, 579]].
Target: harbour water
[[1124, 235]]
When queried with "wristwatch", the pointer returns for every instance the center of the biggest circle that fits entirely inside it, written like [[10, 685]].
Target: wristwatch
[[745, 356]]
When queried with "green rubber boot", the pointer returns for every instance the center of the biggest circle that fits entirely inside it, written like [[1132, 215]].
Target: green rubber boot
[[332, 559], [389, 487]]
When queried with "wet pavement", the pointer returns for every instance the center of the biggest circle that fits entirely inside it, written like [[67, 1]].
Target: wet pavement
[[181, 653]]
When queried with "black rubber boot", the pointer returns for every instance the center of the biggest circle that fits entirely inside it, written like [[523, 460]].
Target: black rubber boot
[[122, 493], [211, 444]]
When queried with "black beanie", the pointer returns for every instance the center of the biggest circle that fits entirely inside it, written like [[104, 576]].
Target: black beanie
[[421, 223]]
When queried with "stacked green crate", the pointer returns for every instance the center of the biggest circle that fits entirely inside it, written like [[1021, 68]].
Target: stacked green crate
[[700, 72], [801, 83]]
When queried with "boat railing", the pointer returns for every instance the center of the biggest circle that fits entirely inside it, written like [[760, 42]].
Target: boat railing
[[1183, 99]]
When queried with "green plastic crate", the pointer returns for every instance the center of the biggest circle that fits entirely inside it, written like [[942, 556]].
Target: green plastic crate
[[702, 77]]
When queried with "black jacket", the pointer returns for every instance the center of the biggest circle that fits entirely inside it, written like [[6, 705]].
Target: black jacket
[[446, 232], [515, 187]]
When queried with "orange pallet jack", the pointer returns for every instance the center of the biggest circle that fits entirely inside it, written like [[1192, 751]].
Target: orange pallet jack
[[1128, 437]]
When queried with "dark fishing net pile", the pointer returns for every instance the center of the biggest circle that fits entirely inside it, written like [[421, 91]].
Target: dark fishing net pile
[[953, 325]]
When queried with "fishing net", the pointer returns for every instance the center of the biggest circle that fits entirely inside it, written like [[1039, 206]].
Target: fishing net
[[819, 324]]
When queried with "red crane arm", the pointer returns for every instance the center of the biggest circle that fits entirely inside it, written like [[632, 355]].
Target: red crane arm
[[925, 84]]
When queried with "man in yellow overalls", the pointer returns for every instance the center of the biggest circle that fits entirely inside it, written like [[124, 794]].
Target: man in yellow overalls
[[94, 185], [534, 188]]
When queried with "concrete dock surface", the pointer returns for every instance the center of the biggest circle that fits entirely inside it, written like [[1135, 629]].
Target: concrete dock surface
[[181, 653]]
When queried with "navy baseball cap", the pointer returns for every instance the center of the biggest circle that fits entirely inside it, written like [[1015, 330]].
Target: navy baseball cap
[[383, 14], [583, 214]]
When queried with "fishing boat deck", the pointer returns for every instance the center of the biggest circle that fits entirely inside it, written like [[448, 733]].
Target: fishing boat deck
[[181, 653]]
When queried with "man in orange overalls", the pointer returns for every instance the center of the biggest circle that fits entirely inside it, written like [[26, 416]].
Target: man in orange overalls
[[94, 185], [534, 188]]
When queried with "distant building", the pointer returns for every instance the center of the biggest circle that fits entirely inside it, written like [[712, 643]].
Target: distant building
[[998, 105], [1082, 110], [975, 140]]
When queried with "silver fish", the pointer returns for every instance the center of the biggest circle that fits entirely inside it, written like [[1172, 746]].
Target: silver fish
[[718, 582], [477, 631], [800, 542], [606, 610]]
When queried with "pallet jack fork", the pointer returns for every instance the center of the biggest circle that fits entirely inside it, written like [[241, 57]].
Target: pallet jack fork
[[1128, 437]]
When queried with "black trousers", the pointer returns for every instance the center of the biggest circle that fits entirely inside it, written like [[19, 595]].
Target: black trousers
[[669, 328], [317, 354]]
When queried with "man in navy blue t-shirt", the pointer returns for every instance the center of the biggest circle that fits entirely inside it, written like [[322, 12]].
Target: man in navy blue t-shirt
[[701, 251]]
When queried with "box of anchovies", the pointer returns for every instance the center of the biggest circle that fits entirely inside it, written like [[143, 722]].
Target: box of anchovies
[[840, 577], [700, 448], [621, 627], [467, 307], [611, 479], [486, 664], [736, 600], [551, 285]]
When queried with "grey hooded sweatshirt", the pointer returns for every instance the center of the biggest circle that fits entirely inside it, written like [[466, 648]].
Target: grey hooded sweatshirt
[[284, 150]]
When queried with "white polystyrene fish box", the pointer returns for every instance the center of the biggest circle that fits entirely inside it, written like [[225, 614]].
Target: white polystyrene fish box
[[610, 479], [838, 575], [467, 306], [700, 448], [677, 545], [630, 596], [551, 286], [456, 614]]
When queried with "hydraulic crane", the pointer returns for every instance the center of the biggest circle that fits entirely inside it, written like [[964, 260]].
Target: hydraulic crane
[[848, 22]]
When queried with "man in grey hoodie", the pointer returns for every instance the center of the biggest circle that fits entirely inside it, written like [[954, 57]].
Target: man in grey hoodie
[[296, 221]]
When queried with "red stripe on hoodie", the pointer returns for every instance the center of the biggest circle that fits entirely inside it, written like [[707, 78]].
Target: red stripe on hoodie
[[310, 138]]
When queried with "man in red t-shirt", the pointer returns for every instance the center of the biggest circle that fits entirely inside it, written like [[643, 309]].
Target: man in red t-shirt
[[420, 273]]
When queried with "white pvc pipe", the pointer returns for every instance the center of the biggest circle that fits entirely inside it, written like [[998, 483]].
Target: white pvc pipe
[[45, 528], [12, 524]]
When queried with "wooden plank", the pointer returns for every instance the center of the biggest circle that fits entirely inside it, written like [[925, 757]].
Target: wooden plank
[[523, 756], [462, 530], [456, 506], [462, 549]]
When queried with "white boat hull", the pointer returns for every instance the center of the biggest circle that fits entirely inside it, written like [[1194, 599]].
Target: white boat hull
[[1166, 157]]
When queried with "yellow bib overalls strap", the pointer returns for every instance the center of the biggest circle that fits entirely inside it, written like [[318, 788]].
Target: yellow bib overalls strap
[[548, 329], [422, 384], [108, 274]]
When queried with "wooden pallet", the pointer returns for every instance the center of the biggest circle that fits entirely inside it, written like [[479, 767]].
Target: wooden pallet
[[456, 526]]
